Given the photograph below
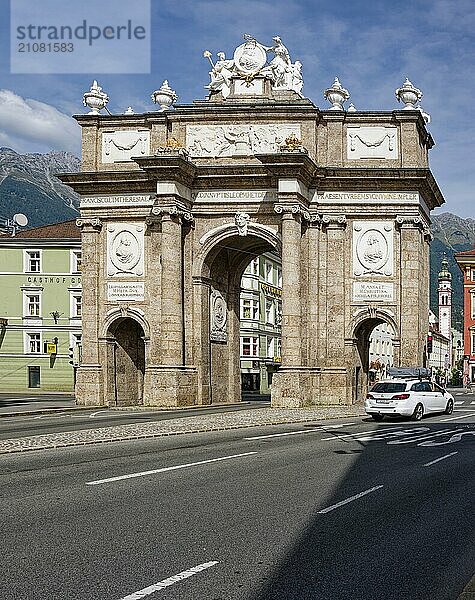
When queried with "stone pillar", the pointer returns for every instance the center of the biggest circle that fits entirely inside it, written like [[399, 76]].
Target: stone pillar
[[336, 362], [169, 382], [89, 378], [286, 384], [413, 277], [291, 261]]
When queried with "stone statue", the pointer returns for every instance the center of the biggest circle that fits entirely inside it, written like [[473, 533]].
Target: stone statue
[[220, 74], [281, 65], [250, 61]]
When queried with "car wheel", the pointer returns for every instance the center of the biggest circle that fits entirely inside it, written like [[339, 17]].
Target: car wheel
[[449, 409], [378, 417], [418, 412]]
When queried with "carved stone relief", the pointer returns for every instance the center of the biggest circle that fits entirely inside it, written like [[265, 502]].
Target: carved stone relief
[[125, 244], [218, 317], [241, 219], [373, 248], [122, 145], [237, 140], [372, 142]]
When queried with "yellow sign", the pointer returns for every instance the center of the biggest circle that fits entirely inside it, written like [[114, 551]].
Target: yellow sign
[[51, 348]]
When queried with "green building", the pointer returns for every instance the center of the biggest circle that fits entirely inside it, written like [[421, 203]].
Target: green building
[[40, 308], [260, 327]]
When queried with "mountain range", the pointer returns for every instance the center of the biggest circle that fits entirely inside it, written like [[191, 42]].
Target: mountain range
[[28, 185]]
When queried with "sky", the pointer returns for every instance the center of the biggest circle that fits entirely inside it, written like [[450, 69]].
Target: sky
[[371, 46]]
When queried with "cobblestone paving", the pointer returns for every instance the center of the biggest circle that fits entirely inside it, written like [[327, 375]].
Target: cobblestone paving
[[195, 424]]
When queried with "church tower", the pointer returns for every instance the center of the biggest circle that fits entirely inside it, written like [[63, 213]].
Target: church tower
[[445, 304]]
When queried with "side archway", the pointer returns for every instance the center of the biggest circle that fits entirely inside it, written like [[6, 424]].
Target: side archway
[[125, 343], [359, 338]]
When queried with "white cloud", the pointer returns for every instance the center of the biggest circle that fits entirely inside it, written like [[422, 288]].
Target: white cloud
[[27, 125]]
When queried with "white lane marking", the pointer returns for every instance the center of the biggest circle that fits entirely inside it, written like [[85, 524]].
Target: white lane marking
[[372, 434], [471, 414], [321, 428], [169, 581], [98, 412], [49, 416], [472, 402], [455, 438], [360, 495], [419, 438], [459, 402], [432, 462], [165, 469]]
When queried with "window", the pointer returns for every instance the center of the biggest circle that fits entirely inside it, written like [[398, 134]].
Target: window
[[33, 261], [472, 305], [76, 307], [33, 305], [278, 349], [34, 379], [34, 343], [250, 346], [473, 275], [472, 339], [279, 277], [268, 272], [249, 308], [270, 314], [278, 313], [270, 347], [75, 261]]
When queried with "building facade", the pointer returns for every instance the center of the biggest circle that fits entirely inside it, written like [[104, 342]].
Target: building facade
[[466, 262], [261, 316], [40, 309]]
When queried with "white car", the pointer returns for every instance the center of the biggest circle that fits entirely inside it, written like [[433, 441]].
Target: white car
[[407, 397]]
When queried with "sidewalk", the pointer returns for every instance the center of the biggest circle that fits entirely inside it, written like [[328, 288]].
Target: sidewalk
[[180, 425]]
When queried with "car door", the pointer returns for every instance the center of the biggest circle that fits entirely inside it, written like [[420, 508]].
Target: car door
[[439, 397], [427, 396]]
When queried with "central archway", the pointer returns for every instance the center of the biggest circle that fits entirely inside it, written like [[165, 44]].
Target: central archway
[[223, 260]]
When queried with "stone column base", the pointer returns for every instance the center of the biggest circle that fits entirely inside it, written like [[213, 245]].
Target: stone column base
[[90, 385], [296, 387], [170, 386]]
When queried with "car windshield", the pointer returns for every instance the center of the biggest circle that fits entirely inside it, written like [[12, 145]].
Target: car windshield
[[389, 387]]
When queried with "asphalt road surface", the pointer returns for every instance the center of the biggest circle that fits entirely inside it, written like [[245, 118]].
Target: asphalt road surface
[[19, 426], [347, 510]]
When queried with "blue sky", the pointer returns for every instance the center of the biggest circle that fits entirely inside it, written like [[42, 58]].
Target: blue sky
[[371, 46]]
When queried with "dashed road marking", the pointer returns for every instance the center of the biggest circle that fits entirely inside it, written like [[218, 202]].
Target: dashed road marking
[[470, 414], [348, 500], [300, 431], [454, 438], [459, 402], [165, 469], [169, 581], [432, 462]]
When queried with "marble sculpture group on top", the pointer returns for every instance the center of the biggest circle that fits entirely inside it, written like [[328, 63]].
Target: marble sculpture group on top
[[250, 62]]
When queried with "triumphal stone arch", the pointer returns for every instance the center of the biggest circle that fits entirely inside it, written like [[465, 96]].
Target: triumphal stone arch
[[175, 203]]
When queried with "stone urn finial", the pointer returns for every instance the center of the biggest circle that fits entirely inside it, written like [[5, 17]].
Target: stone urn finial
[[408, 94], [336, 95], [95, 98], [164, 96]]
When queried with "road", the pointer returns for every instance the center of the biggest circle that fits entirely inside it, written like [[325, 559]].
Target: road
[[348, 509], [19, 426]]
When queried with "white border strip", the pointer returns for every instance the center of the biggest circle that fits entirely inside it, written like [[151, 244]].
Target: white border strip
[[165, 469], [360, 495], [169, 581]]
